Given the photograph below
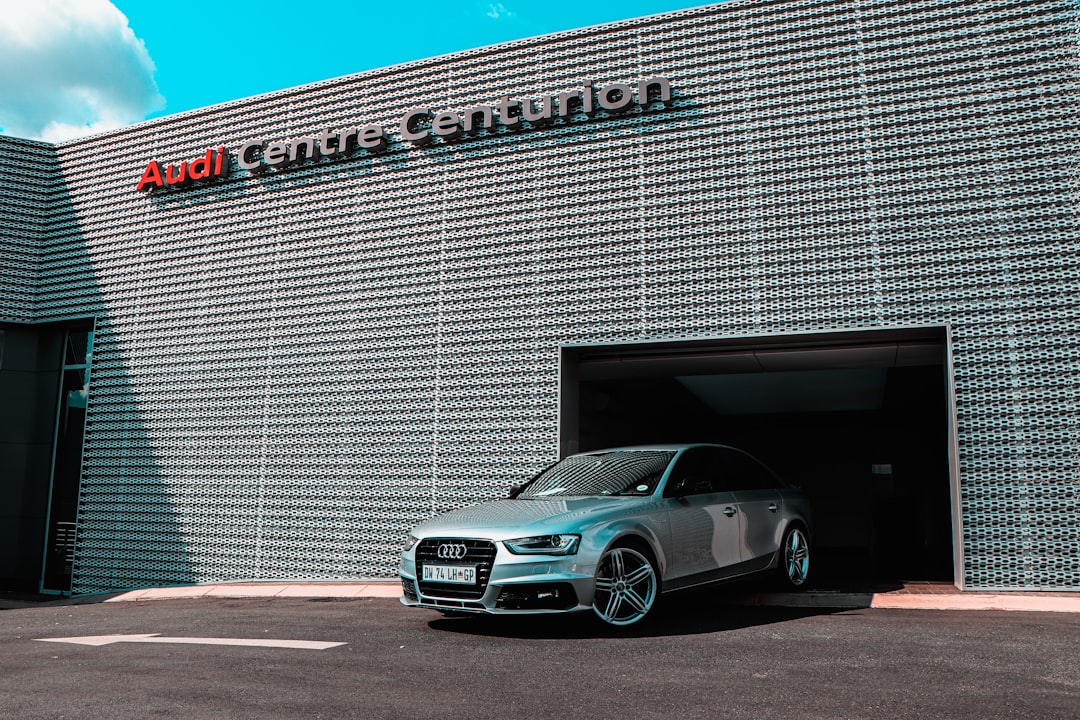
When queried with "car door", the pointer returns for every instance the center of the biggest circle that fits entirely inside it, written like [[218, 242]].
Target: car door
[[759, 505], [704, 522]]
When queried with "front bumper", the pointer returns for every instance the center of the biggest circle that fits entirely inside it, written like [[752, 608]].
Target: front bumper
[[517, 585]]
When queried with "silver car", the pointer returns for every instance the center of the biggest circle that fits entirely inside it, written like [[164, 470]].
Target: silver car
[[610, 531]]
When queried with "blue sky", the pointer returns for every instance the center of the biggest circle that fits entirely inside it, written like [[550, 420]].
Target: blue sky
[[72, 67]]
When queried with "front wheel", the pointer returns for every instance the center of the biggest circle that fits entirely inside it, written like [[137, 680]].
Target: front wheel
[[795, 558], [626, 586]]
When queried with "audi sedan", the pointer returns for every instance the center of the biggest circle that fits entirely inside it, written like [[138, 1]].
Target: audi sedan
[[610, 531]]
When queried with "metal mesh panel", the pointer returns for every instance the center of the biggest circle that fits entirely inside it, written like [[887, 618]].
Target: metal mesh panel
[[27, 174], [291, 370]]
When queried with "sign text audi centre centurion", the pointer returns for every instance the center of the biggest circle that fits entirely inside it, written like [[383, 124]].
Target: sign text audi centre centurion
[[419, 126]]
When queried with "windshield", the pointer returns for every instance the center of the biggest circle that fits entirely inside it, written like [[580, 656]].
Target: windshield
[[623, 472]]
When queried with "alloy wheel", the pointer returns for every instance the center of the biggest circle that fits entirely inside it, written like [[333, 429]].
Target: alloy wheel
[[796, 557], [625, 586]]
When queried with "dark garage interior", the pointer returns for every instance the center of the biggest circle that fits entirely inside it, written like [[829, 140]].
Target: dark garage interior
[[860, 421]]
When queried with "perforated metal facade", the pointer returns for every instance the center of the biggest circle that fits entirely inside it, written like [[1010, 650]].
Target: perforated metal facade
[[28, 176], [290, 370]]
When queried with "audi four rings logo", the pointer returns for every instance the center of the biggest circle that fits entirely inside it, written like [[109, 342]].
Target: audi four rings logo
[[452, 551]]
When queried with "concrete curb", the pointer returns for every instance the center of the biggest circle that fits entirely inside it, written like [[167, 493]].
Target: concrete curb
[[978, 601], [266, 590], [915, 601]]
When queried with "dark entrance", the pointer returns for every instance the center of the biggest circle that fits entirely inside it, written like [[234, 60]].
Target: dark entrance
[[860, 420], [44, 374]]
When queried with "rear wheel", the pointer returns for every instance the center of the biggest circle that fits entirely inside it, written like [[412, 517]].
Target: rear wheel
[[795, 558], [626, 586]]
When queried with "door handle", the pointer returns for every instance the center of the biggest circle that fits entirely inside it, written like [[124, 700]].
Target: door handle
[[773, 507], [729, 511]]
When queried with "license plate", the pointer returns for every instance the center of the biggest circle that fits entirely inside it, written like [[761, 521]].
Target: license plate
[[460, 574]]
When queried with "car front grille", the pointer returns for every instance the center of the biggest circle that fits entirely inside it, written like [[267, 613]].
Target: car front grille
[[480, 553]]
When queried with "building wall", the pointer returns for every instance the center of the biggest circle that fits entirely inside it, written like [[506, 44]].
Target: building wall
[[290, 370]]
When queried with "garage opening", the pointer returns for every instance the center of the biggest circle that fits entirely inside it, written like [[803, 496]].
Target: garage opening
[[861, 420]]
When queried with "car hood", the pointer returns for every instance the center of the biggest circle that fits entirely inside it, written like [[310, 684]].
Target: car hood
[[504, 519]]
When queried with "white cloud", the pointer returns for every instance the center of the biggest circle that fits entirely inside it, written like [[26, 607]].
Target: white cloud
[[71, 68]]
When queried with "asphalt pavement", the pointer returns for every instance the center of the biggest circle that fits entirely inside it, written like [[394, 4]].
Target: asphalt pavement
[[700, 658]]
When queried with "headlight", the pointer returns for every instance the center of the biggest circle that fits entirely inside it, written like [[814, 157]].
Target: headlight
[[410, 540], [544, 545]]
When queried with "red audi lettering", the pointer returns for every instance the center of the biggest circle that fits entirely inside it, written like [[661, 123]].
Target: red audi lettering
[[151, 177], [200, 169], [221, 167], [212, 165], [179, 178]]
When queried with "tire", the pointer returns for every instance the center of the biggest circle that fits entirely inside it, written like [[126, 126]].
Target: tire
[[627, 586], [794, 564]]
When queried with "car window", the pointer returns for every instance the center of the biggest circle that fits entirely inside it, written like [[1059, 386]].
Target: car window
[[696, 472], [740, 471], [623, 472]]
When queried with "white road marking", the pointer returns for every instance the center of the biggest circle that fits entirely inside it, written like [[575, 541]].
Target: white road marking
[[98, 640]]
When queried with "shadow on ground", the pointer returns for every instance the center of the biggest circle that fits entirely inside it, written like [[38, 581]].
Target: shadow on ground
[[685, 614], [17, 600]]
